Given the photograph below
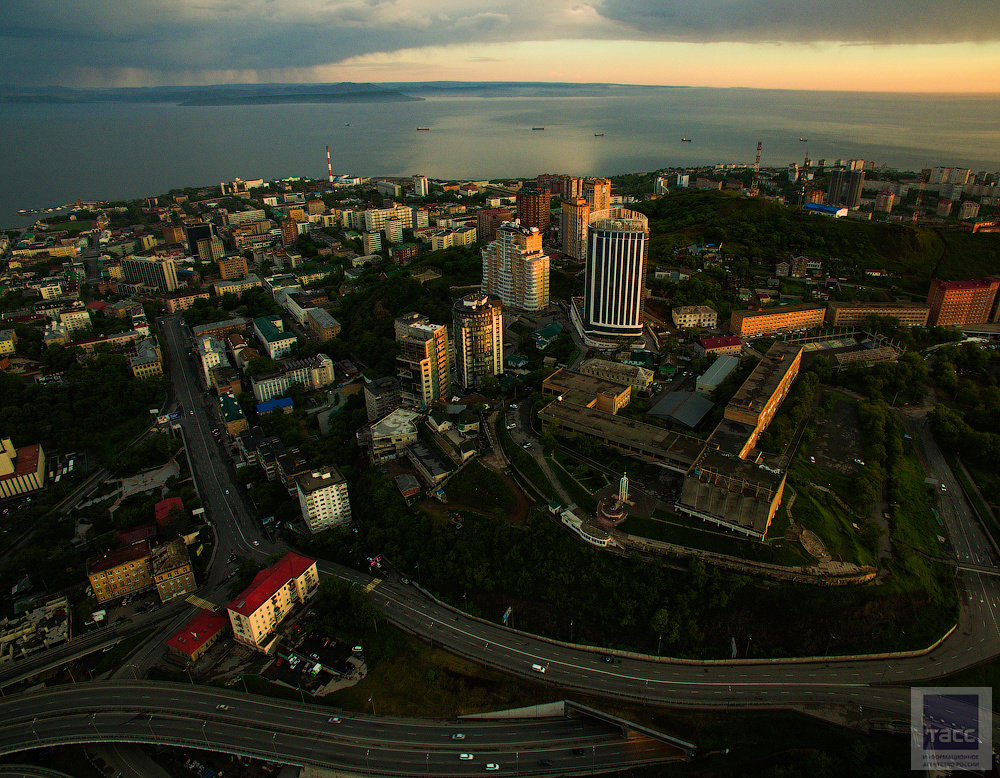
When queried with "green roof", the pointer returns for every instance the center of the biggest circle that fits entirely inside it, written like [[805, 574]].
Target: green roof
[[230, 408]]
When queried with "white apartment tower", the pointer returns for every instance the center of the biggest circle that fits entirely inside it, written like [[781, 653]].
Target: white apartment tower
[[420, 186], [323, 499], [478, 335], [516, 269], [617, 247]]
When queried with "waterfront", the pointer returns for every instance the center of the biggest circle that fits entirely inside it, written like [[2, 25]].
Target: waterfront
[[118, 151]]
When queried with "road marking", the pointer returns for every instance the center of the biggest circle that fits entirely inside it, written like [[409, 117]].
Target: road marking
[[375, 582]]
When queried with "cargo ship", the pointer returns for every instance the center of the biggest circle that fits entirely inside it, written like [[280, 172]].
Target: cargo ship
[[423, 129], [685, 140], [537, 128]]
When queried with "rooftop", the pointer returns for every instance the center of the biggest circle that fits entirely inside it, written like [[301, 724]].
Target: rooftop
[[121, 556], [268, 582], [320, 479], [170, 556], [764, 379], [196, 632]]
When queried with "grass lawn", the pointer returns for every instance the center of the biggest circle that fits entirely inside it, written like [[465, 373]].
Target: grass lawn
[[913, 519], [581, 496]]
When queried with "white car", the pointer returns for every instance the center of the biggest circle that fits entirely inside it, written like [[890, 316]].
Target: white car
[[465, 757], [458, 736], [492, 766]]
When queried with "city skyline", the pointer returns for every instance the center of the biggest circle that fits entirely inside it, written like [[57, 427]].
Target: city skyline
[[890, 46]]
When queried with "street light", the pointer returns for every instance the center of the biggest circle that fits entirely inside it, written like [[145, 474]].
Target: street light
[[372, 701]]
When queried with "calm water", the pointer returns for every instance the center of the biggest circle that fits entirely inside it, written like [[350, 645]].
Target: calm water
[[117, 151]]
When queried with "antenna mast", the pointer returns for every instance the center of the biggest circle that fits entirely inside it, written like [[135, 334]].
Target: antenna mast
[[755, 184]]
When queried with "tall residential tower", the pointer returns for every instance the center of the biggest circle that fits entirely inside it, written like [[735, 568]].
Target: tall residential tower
[[422, 365], [516, 269], [478, 335]]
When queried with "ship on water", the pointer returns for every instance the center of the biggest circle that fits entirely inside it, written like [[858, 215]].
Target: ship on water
[[537, 128], [685, 140], [598, 134], [423, 129]]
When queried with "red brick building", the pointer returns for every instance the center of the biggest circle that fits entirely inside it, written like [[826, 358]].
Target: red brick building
[[961, 302]]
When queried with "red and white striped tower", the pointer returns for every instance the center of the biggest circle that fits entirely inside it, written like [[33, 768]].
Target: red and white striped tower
[[329, 165]]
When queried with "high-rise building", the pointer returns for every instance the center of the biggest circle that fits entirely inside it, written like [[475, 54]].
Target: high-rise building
[[487, 221], [597, 192], [423, 364], [617, 248], [561, 185], [855, 185], [420, 186], [173, 234], [884, 201], [148, 271], [478, 335], [534, 208], [573, 227], [834, 193], [323, 499], [381, 397], [516, 269], [210, 249], [196, 232], [289, 232], [961, 302]]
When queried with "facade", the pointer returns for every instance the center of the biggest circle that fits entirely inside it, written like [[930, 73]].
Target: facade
[[312, 374], [381, 397], [233, 266], [884, 201], [534, 208], [516, 269], [614, 289], [573, 227], [420, 186], [489, 219], [639, 378], [236, 285], [289, 232], [597, 193], [750, 324], [729, 345], [210, 249], [323, 499], [22, 470], [372, 242], [121, 572], [146, 363], [321, 325], [8, 341], [685, 316], [270, 331], [478, 334], [258, 610], [75, 319], [181, 301], [211, 353], [961, 302], [835, 191], [852, 314], [150, 272], [855, 186], [560, 185], [172, 573], [423, 362]]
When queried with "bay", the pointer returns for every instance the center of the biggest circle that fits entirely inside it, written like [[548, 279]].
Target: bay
[[109, 151]]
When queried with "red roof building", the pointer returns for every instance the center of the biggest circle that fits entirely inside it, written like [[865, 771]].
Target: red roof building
[[198, 635], [163, 508], [134, 534], [727, 345], [258, 609]]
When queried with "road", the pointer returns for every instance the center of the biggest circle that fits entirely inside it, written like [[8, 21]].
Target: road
[[179, 714]]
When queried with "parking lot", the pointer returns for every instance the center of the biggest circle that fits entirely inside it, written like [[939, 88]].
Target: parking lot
[[317, 664]]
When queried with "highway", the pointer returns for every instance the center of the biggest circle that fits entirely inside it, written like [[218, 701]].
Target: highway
[[873, 687], [178, 714]]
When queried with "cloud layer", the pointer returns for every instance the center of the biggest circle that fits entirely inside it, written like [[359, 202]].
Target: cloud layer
[[118, 42]]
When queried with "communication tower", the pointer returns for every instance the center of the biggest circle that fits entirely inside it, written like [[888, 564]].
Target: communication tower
[[755, 184]]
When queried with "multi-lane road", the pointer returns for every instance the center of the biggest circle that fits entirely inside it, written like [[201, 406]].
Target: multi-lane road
[[196, 716], [873, 687]]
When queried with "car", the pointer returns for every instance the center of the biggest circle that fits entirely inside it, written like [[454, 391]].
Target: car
[[333, 720], [545, 763], [526, 444], [492, 766], [578, 752], [227, 491], [513, 406], [256, 542], [944, 488], [859, 461], [607, 658], [458, 736], [360, 649], [277, 662], [812, 459], [511, 426], [465, 757], [404, 581], [190, 413], [222, 707]]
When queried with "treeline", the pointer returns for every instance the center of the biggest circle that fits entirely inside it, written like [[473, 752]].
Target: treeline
[[882, 433]]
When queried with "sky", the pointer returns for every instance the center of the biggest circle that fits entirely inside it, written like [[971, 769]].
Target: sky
[[871, 45]]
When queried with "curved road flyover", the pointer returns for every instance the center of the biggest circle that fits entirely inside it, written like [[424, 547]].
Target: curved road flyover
[[29, 771], [292, 733]]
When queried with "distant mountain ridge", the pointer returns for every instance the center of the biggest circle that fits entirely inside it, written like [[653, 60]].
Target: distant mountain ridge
[[344, 92]]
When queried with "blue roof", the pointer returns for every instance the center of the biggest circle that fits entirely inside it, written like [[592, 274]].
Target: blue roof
[[272, 404]]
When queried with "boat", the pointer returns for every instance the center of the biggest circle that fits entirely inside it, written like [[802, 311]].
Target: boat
[[685, 140], [803, 140], [423, 129], [537, 128], [346, 124], [598, 134]]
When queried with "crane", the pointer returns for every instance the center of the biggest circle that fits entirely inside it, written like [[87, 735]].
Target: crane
[[920, 198]]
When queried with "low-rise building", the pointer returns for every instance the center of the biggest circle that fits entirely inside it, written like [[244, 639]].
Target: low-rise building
[[172, 571], [257, 611], [270, 331], [687, 316], [146, 363], [232, 415], [382, 396], [192, 640], [121, 572], [311, 374], [728, 345], [718, 372], [321, 325], [750, 324], [389, 437], [22, 470], [8, 341], [639, 378], [587, 391], [852, 314]]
